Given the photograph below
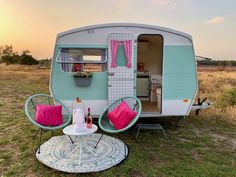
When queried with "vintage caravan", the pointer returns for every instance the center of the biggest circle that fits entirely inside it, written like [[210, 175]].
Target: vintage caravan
[[153, 63]]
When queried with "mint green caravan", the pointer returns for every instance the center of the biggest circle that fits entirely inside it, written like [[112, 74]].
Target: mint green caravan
[[153, 63]]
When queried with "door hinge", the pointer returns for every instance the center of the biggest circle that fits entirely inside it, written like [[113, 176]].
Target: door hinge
[[111, 74]]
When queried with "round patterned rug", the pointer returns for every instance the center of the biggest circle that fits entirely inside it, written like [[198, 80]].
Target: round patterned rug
[[59, 153]]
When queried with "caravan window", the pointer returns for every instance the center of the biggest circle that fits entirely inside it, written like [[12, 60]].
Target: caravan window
[[77, 59]]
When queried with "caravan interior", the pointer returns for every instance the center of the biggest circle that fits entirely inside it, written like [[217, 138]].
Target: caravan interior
[[149, 75]]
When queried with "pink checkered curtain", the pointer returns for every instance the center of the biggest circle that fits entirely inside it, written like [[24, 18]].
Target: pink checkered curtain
[[128, 51], [114, 48]]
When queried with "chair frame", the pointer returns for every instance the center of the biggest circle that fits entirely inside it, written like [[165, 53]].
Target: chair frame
[[41, 127], [103, 117]]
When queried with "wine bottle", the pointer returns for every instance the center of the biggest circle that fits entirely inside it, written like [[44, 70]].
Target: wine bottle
[[89, 120]]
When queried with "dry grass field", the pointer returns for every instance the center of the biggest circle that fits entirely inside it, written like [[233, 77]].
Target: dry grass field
[[201, 146]]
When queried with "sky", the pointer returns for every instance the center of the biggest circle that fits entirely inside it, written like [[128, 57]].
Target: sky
[[34, 24]]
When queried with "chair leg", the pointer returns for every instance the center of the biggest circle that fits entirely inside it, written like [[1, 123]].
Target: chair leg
[[36, 134], [71, 140], [98, 141], [137, 133], [41, 132], [164, 132]]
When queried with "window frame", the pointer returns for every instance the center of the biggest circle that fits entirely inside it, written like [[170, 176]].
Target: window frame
[[103, 63], [83, 62]]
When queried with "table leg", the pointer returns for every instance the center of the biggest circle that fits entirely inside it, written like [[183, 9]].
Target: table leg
[[78, 146], [98, 141], [81, 147], [73, 151]]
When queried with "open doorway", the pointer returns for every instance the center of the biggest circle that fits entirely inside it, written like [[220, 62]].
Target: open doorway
[[149, 75]]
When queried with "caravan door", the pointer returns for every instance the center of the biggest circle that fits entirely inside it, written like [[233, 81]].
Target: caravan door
[[121, 76]]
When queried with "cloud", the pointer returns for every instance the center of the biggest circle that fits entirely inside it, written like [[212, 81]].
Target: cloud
[[215, 20]]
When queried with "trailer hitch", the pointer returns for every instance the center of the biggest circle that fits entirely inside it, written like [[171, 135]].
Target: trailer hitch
[[201, 105]]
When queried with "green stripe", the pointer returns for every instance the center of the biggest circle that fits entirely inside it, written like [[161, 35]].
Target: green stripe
[[179, 73], [64, 88]]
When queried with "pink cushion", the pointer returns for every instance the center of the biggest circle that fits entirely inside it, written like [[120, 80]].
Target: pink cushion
[[49, 115], [121, 116]]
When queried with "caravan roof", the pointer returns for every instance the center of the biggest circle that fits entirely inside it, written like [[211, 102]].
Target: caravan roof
[[124, 25]]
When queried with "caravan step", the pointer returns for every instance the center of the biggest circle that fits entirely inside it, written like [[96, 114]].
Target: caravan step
[[149, 127]]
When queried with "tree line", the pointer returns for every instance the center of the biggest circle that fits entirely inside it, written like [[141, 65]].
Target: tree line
[[217, 62], [9, 56]]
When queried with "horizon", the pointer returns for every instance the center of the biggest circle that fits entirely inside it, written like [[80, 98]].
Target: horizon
[[33, 25]]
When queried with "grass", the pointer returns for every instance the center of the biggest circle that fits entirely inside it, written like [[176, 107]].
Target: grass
[[201, 146]]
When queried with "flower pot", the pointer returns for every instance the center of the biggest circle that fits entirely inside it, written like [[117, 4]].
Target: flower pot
[[83, 82]]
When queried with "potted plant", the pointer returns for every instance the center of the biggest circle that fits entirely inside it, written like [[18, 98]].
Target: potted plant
[[83, 79]]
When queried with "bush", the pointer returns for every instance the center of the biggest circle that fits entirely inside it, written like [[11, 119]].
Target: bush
[[232, 97], [228, 99], [10, 59], [217, 62], [45, 63], [8, 56], [27, 60]]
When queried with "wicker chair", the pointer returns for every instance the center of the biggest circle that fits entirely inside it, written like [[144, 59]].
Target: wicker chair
[[106, 125], [104, 122], [30, 110]]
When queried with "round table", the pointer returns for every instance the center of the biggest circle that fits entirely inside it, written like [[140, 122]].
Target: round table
[[69, 130]]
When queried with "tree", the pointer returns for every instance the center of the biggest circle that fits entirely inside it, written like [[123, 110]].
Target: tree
[[1, 48], [7, 50], [8, 56], [27, 59], [25, 52]]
